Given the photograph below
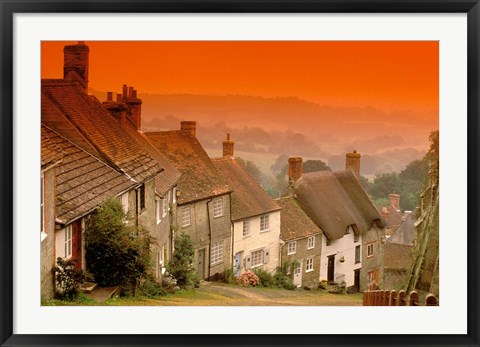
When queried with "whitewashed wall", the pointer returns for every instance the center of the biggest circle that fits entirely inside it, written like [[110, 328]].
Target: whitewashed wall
[[343, 247], [268, 240]]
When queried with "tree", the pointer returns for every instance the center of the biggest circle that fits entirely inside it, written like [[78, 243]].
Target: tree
[[181, 265], [384, 184], [117, 251], [315, 165]]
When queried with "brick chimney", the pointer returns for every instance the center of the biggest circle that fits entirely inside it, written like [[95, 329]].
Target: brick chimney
[[134, 106], [189, 127], [75, 59], [352, 162], [228, 147], [295, 169], [394, 200], [117, 108]]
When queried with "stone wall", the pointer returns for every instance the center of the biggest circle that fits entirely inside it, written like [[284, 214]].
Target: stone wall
[[375, 236], [47, 247]]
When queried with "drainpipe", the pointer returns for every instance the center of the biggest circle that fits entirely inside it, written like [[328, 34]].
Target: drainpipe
[[209, 238], [136, 207]]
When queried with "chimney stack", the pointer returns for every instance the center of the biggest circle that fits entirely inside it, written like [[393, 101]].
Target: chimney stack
[[295, 169], [352, 162], [75, 59], [394, 200], [125, 90], [189, 127], [228, 147], [109, 96]]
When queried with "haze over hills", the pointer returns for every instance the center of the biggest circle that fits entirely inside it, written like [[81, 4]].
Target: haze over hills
[[388, 140]]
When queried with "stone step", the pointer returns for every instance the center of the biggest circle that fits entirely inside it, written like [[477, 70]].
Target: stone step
[[102, 294], [88, 287]]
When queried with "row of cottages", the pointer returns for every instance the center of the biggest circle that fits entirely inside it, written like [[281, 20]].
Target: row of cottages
[[351, 233], [203, 199], [92, 151]]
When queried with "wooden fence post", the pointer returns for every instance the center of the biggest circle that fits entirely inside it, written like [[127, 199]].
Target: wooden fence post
[[394, 296], [381, 298], [377, 298], [387, 298], [414, 299], [402, 298], [431, 300]]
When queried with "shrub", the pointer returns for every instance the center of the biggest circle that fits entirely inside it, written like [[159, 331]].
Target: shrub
[[151, 289], [117, 251], [265, 278], [283, 277], [68, 279], [229, 276], [247, 279], [181, 265]]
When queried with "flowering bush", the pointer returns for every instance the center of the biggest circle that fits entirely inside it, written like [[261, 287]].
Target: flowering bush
[[247, 279]]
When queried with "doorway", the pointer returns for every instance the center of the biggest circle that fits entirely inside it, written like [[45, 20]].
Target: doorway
[[297, 275], [77, 243], [331, 269], [238, 263], [201, 264]]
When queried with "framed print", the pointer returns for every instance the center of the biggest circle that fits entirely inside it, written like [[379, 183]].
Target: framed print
[[248, 173]]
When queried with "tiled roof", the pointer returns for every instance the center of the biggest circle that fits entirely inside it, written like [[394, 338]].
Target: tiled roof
[[406, 233], [335, 200], [200, 178], [248, 198], [82, 181], [50, 152], [97, 129], [166, 179], [391, 216], [294, 222]]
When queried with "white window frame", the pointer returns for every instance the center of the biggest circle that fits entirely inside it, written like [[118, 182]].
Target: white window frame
[[257, 258], [186, 216], [309, 264], [264, 223], [291, 247], [165, 206], [311, 242], [157, 209], [216, 253], [246, 228], [370, 250], [217, 207], [68, 241]]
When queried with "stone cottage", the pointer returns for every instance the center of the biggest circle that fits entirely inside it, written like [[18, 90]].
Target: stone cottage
[[255, 216], [203, 199], [108, 157], [353, 235], [301, 243]]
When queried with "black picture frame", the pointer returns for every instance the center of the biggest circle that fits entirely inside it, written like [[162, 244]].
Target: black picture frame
[[10, 7]]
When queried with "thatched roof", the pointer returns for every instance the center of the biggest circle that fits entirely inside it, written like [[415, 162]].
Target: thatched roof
[[336, 200]]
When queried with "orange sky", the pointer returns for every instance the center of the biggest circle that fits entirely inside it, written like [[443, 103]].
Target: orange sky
[[384, 75]]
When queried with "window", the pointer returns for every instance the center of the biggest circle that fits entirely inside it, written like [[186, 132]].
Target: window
[[264, 223], [246, 228], [216, 253], [357, 254], [356, 237], [42, 210], [186, 216], [370, 250], [142, 196], [311, 242], [257, 258], [165, 206], [217, 207], [157, 209], [309, 265], [68, 241], [292, 247], [329, 242]]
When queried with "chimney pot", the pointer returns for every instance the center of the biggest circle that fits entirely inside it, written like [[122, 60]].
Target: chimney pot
[[134, 94], [109, 96], [394, 200], [295, 169], [189, 126], [130, 92], [119, 98], [228, 147], [125, 90]]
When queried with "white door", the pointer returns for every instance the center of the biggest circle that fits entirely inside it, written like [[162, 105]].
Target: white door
[[297, 275]]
